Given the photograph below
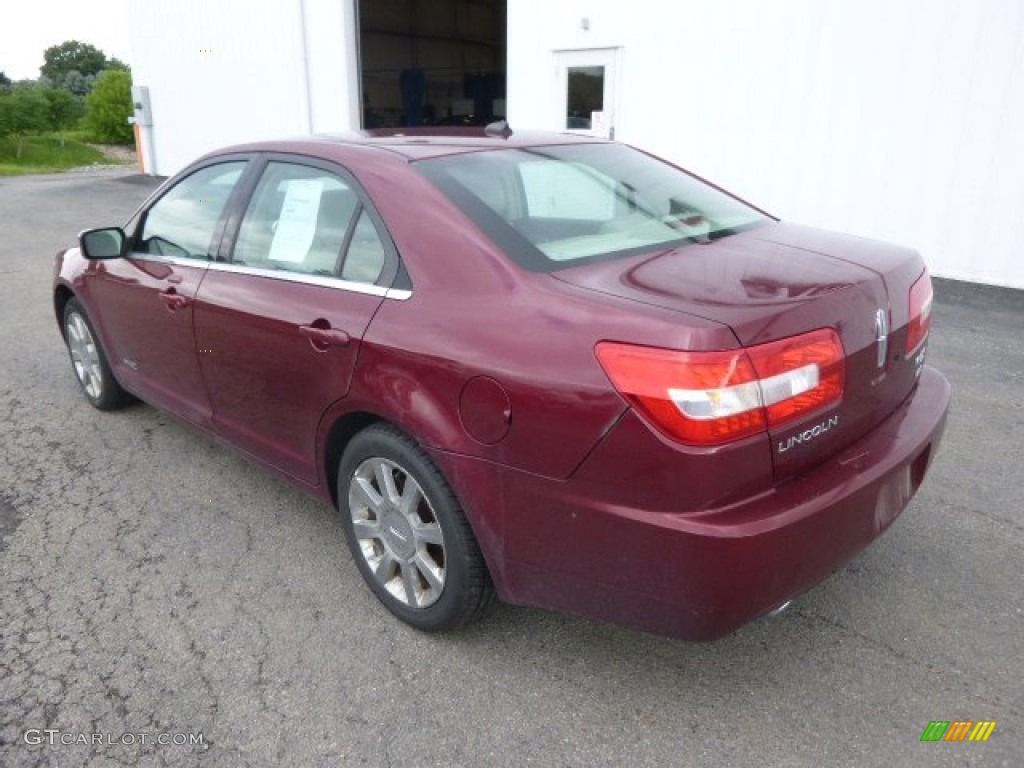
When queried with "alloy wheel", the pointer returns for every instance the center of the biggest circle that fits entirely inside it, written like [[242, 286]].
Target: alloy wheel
[[84, 355], [398, 532]]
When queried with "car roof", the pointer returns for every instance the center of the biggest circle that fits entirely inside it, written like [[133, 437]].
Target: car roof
[[420, 143]]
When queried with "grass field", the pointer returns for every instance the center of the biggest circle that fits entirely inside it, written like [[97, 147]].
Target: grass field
[[44, 154]]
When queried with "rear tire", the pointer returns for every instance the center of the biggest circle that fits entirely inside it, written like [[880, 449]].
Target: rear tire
[[89, 361], [408, 534]]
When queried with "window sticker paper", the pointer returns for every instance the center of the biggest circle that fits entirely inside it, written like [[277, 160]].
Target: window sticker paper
[[296, 225]]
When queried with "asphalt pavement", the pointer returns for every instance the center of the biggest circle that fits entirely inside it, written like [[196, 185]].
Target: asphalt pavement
[[158, 587]]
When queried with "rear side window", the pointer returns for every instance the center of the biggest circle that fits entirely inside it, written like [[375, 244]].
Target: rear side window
[[364, 259], [308, 221], [183, 222]]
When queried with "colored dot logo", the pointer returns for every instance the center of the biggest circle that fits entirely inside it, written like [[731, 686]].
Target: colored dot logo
[[958, 730]]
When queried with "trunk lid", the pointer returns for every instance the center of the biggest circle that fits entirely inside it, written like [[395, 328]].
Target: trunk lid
[[781, 280]]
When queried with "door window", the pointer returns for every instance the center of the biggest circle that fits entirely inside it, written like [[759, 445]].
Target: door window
[[183, 222], [308, 221], [585, 97], [365, 258]]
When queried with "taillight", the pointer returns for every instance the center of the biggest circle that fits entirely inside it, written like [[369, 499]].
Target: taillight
[[709, 398], [920, 313], [800, 374]]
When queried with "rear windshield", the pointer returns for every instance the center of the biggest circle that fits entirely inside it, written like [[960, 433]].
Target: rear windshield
[[560, 206]]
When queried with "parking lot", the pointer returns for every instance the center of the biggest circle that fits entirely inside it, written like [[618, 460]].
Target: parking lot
[[155, 583]]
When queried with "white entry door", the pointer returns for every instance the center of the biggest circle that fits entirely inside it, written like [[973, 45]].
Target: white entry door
[[586, 91]]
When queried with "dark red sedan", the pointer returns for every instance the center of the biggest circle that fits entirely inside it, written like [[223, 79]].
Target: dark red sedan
[[552, 368]]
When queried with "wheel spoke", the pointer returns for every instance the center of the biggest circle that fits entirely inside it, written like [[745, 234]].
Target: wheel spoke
[[409, 581], [410, 500], [364, 492], [428, 533], [385, 568], [74, 334], [431, 573], [385, 474], [367, 529]]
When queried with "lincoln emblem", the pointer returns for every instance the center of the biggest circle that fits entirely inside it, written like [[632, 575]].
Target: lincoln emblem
[[882, 335]]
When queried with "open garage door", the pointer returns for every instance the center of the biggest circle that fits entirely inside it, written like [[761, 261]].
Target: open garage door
[[431, 62]]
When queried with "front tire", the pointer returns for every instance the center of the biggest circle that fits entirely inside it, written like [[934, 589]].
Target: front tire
[[408, 534], [89, 361]]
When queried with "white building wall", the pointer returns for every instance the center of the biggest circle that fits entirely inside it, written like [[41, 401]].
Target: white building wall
[[333, 64], [895, 119], [226, 71]]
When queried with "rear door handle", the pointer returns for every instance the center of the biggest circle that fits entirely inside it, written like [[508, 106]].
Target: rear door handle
[[325, 337], [174, 300]]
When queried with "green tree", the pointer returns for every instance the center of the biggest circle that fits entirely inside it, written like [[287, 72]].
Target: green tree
[[63, 110], [72, 55], [5, 83], [109, 106], [75, 82], [23, 111]]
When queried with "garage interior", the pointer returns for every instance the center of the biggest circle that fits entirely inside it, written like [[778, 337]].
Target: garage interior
[[431, 62]]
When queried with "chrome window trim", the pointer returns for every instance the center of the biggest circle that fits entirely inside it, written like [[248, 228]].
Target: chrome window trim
[[396, 294], [298, 277]]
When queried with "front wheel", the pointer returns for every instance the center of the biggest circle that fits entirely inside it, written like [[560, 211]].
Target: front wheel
[[408, 534], [89, 360]]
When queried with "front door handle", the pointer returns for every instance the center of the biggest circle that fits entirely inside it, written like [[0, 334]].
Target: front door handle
[[174, 300], [322, 338]]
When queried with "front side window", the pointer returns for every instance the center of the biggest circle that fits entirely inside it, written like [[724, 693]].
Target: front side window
[[308, 221], [558, 206], [183, 222]]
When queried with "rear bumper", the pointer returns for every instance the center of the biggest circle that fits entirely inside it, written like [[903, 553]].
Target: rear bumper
[[700, 575]]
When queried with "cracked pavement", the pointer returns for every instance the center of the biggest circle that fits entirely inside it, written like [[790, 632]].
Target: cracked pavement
[[153, 582]]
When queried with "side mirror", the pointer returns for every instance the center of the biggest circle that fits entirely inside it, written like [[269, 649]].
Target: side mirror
[[106, 243]]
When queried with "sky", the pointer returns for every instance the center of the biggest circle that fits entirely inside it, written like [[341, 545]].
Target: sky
[[38, 24]]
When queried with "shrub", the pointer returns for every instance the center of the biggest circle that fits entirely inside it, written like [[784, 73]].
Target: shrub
[[63, 110], [23, 111], [109, 106]]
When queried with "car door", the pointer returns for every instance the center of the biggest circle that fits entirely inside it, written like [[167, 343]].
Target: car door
[[279, 324], [145, 300]]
